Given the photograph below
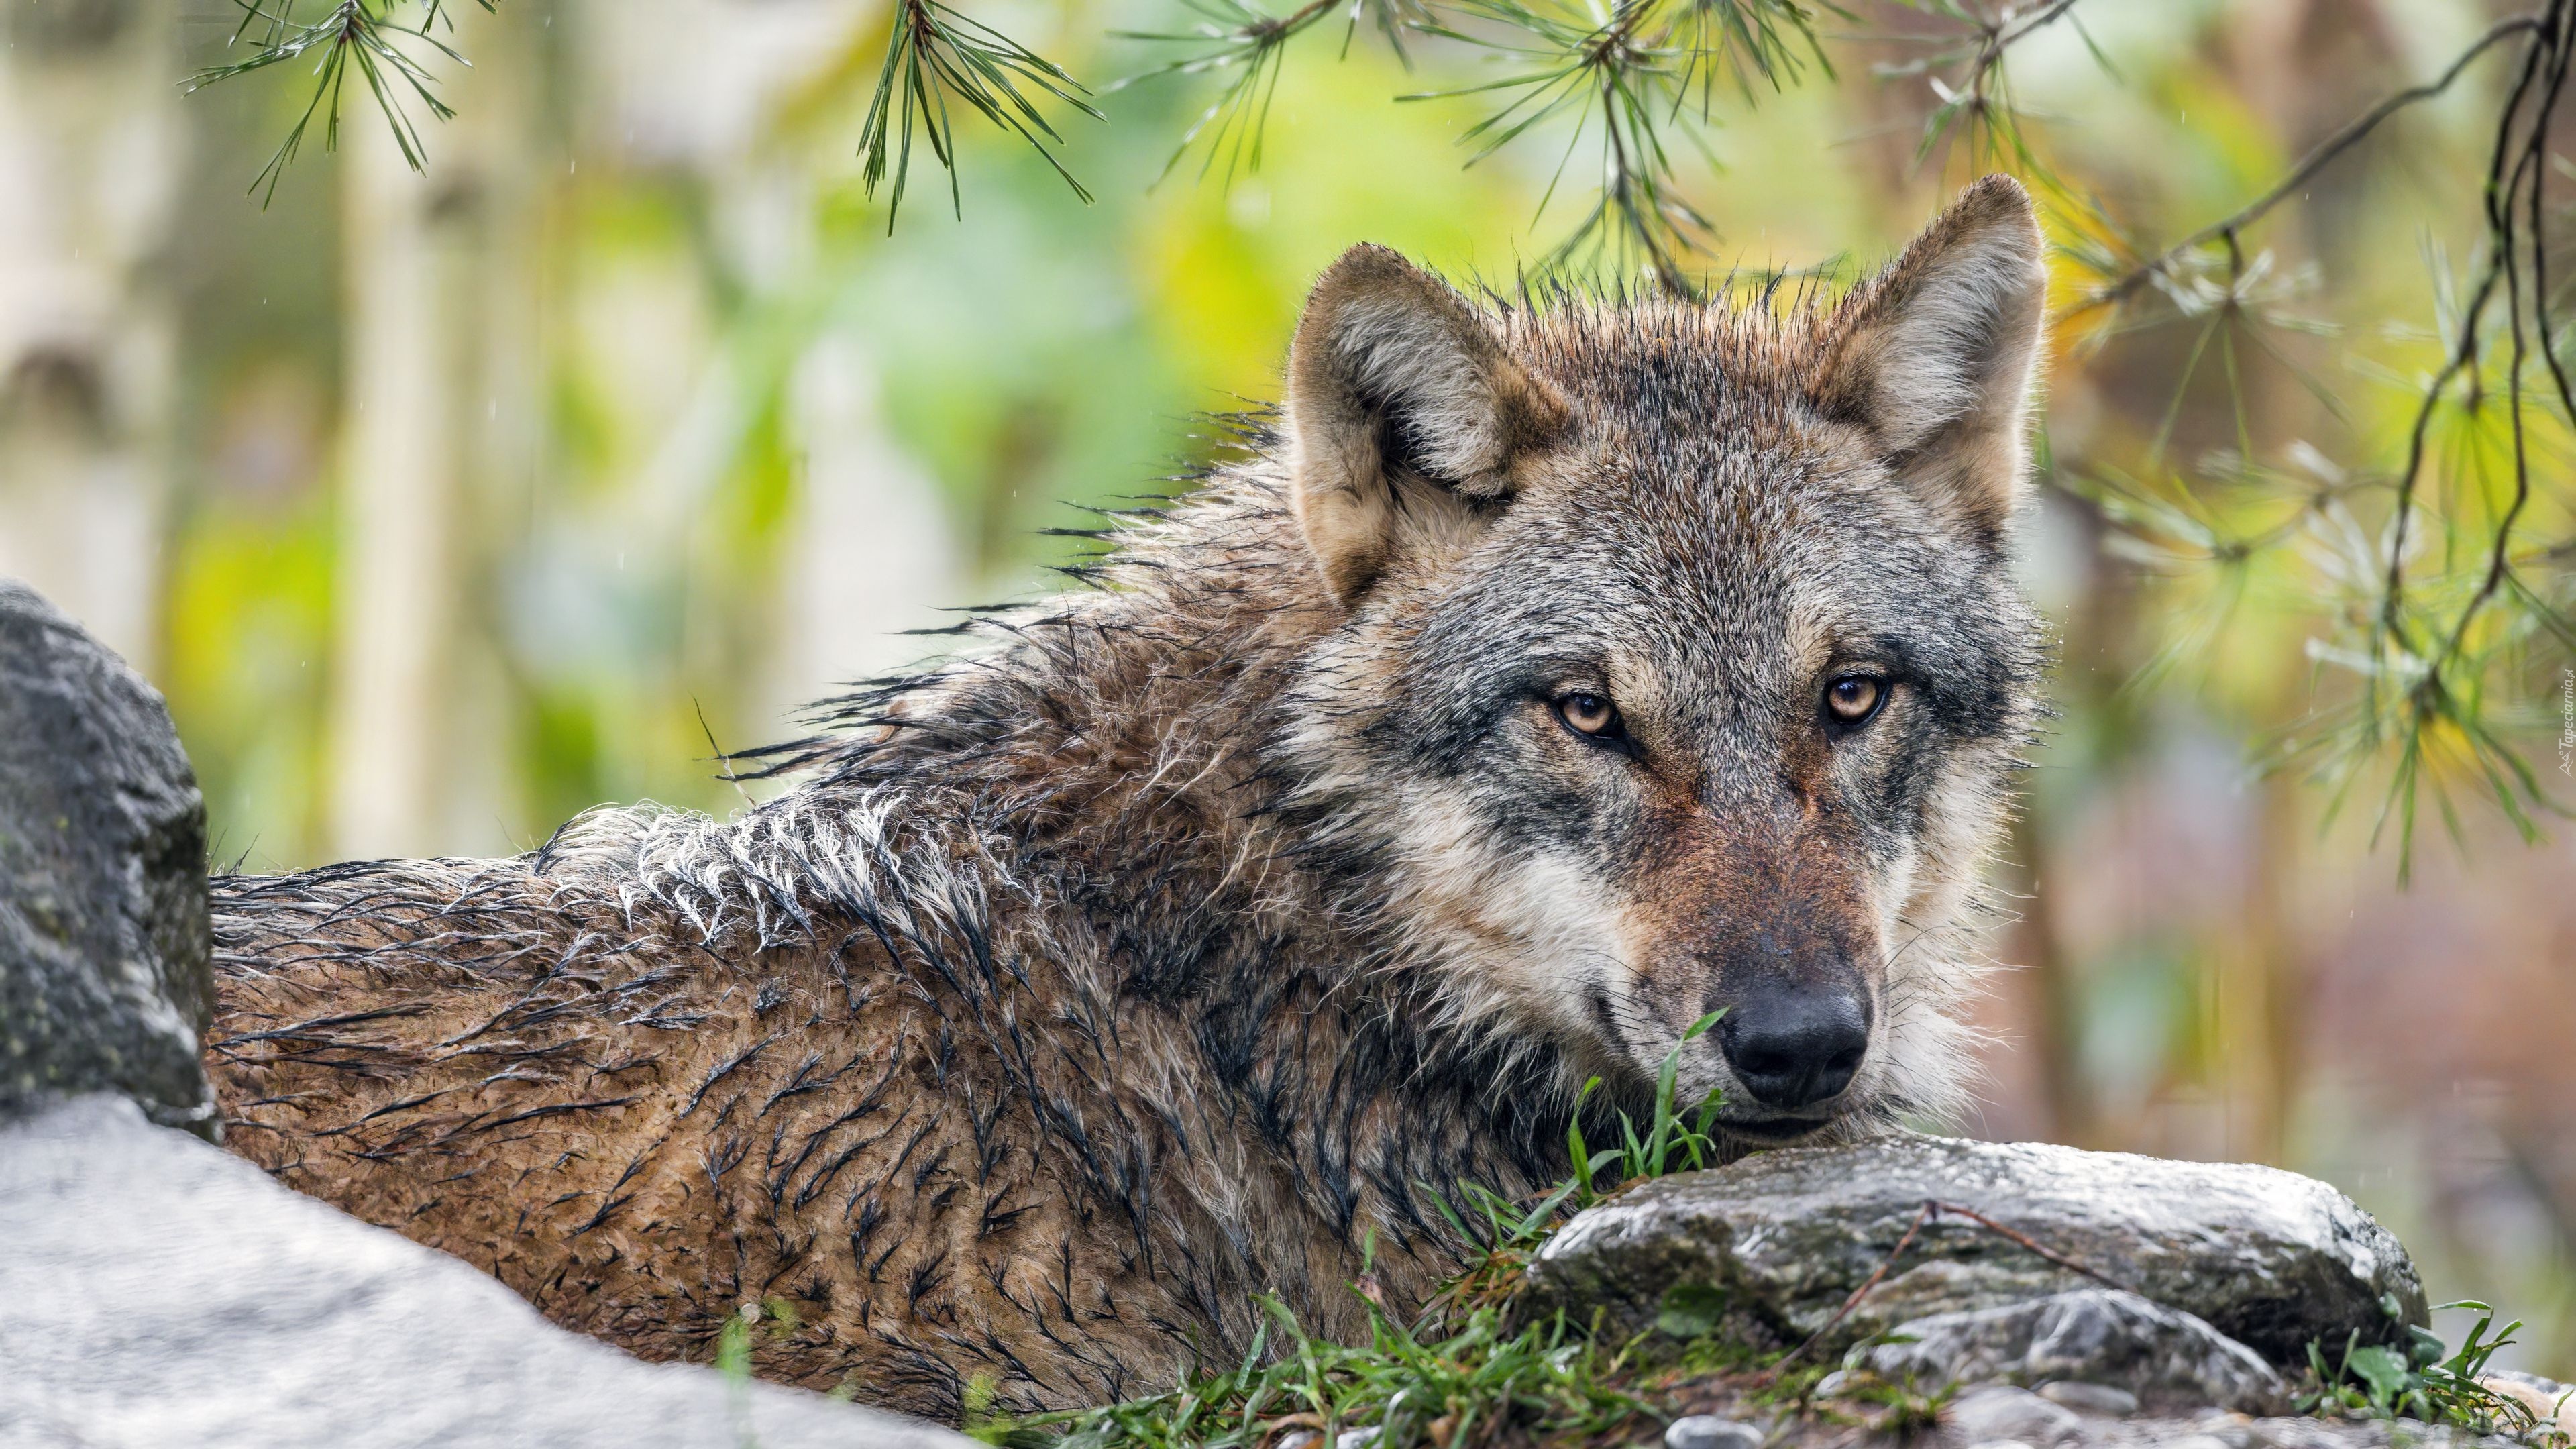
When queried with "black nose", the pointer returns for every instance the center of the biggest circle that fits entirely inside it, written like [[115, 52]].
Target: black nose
[[1793, 1049]]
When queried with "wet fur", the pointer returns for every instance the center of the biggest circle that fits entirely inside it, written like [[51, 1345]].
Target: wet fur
[[1168, 946]]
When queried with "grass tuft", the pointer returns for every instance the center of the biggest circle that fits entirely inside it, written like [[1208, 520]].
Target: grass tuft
[[1456, 1374], [1458, 1384], [2426, 1380]]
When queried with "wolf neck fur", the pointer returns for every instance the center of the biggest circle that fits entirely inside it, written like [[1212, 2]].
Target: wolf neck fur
[[1104, 773]]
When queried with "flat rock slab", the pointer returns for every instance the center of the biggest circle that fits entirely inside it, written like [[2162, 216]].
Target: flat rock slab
[[155, 1291], [2015, 1416], [104, 975], [2092, 1338], [1768, 1249]]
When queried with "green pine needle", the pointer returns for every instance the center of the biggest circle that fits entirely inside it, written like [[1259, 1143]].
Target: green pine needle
[[1247, 46], [934, 55], [359, 33]]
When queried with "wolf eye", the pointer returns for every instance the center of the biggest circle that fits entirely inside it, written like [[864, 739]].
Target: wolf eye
[[1589, 714], [1852, 698]]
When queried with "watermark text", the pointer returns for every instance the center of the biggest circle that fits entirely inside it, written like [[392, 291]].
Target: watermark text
[[2567, 723]]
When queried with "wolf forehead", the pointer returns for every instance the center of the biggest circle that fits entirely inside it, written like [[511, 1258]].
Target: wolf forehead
[[1700, 514], [1660, 361], [1717, 424]]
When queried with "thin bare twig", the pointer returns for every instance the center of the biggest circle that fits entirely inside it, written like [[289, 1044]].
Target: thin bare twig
[[2499, 261], [2060, 1259], [1933, 1210], [2299, 175], [2557, 42]]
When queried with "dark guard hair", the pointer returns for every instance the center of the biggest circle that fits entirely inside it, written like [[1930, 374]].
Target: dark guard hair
[[1492, 717]]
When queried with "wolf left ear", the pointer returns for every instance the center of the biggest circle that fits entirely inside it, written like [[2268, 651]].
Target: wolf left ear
[[1405, 413], [1933, 356]]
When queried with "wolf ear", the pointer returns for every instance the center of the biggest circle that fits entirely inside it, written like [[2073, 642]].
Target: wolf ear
[[1933, 356], [1405, 415]]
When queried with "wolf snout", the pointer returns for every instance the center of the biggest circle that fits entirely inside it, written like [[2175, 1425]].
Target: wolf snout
[[1794, 1048]]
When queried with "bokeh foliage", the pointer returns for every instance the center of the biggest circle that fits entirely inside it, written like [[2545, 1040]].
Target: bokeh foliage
[[2433, 574]]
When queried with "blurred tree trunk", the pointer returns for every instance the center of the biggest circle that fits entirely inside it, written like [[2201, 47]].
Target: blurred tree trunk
[[394, 597], [2055, 997], [2260, 984], [859, 498], [413, 715], [90, 149], [505, 400]]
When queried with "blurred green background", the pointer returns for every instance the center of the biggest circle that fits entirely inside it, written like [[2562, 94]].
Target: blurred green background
[[444, 506]]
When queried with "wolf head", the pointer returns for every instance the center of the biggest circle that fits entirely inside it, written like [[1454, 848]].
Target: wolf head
[[1675, 664]]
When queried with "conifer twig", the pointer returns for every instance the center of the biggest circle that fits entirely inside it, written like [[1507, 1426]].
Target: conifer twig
[[362, 33], [1249, 42], [933, 54], [2320, 156]]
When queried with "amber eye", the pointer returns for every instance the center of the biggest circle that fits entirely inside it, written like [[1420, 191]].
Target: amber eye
[[1588, 714], [1853, 698]]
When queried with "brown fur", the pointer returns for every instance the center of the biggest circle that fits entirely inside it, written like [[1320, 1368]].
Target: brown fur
[[951, 1137], [1189, 942]]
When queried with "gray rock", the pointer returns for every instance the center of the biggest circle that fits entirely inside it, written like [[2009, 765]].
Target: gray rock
[[1778, 1241], [104, 977], [2552, 1404], [2099, 1400], [2235, 1431], [2211, 1431], [2166, 1360], [155, 1291], [1995, 1412], [2548, 1388], [1708, 1431]]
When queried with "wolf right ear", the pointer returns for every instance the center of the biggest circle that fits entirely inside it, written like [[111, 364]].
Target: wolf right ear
[[1933, 357], [1405, 414]]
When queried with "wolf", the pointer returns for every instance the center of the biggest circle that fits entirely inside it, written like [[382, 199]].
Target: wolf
[[1544, 675]]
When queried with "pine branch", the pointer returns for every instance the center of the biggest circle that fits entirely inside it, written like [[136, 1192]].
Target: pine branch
[[1974, 99], [2559, 43], [2426, 649], [2502, 264], [934, 54], [1611, 73], [1751, 40], [360, 33], [1630, 75], [2351, 134], [1249, 46]]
